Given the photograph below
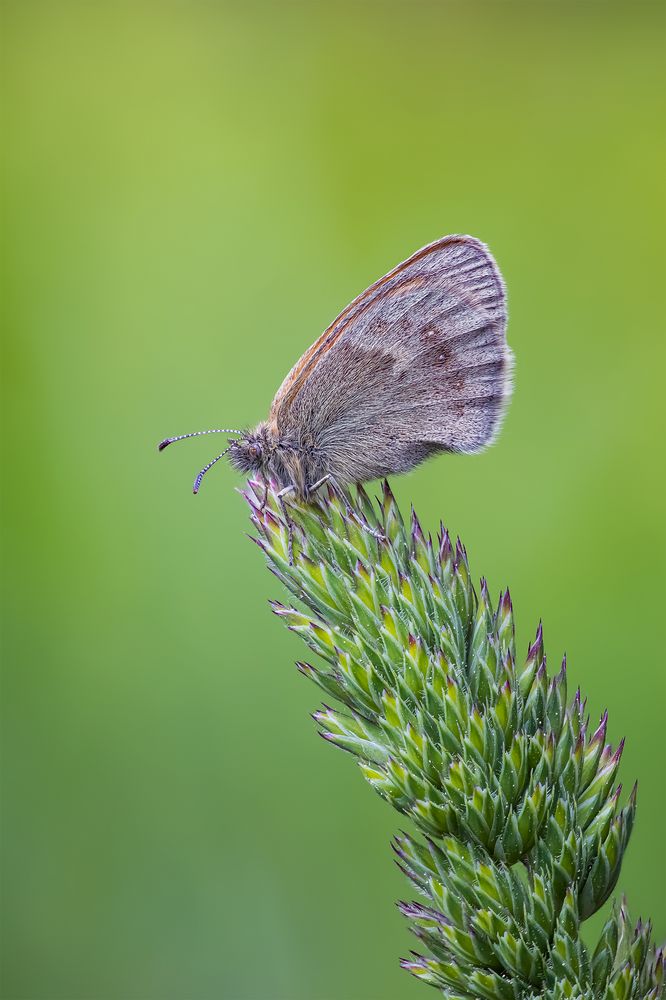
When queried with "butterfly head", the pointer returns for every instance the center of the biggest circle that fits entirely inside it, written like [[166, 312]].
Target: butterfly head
[[249, 454]]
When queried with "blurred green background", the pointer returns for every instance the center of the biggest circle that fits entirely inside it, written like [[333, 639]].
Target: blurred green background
[[192, 191]]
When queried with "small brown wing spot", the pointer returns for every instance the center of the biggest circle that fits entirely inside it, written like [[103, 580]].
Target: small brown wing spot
[[435, 353]]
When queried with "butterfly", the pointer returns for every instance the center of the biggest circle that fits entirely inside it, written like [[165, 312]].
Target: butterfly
[[417, 364]]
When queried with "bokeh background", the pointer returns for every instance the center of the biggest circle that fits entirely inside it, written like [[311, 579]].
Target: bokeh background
[[192, 191]]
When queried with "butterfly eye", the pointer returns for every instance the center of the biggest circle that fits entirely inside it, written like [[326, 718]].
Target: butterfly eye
[[254, 451]]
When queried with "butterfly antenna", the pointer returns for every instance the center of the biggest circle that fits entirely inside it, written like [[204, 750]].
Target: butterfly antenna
[[197, 481], [181, 437]]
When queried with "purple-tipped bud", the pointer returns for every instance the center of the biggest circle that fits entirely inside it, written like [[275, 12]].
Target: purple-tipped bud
[[618, 752], [535, 651], [361, 494], [413, 965], [271, 521], [600, 732], [252, 499], [573, 712], [386, 490], [396, 846], [405, 871], [415, 911], [444, 547], [417, 531], [258, 541]]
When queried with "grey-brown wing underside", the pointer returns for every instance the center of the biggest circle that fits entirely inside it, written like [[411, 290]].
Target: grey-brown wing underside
[[417, 363]]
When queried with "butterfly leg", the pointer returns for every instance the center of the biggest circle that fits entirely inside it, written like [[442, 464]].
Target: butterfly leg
[[287, 520], [320, 482]]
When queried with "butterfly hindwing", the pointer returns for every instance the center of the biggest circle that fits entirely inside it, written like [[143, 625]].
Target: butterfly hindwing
[[417, 363]]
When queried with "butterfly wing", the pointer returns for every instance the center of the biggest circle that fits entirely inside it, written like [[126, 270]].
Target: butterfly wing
[[417, 363]]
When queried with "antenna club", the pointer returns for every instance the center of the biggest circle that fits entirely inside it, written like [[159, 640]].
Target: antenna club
[[181, 437]]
